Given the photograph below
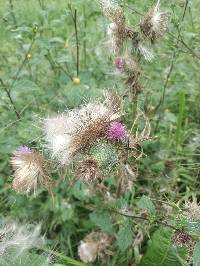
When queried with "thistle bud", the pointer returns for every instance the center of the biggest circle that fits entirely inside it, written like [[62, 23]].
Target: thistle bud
[[105, 154]]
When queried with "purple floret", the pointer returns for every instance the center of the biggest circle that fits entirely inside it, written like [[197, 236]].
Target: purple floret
[[24, 150], [120, 63], [116, 131]]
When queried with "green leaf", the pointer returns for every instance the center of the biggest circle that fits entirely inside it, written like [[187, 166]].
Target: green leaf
[[193, 226], [25, 259], [196, 254], [162, 252], [102, 219], [125, 236], [146, 203]]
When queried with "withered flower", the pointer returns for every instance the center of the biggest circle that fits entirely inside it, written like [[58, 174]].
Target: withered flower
[[76, 130], [154, 24], [95, 245], [30, 169], [116, 31]]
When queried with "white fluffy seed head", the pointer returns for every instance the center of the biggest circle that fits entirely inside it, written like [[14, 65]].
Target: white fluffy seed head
[[95, 245], [17, 239], [68, 133], [87, 251], [155, 23], [29, 170]]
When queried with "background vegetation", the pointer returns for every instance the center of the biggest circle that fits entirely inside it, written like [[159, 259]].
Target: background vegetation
[[38, 65]]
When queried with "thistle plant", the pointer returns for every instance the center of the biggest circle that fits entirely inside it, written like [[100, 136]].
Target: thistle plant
[[127, 42], [100, 151]]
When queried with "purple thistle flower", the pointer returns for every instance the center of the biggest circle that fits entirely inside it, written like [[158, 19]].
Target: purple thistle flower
[[120, 63], [116, 131], [24, 150]]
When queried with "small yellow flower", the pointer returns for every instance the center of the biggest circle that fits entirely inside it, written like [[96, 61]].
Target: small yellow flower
[[76, 81], [66, 45], [29, 55]]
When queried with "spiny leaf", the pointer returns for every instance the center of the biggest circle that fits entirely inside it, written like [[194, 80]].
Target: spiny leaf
[[125, 236], [162, 252], [102, 219], [146, 203], [196, 254]]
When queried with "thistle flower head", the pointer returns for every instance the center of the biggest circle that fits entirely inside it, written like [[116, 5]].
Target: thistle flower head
[[192, 210], [88, 251], [182, 238], [116, 131], [154, 24], [77, 130], [29, 170], [95, 245], [116, 30], [132, 73]]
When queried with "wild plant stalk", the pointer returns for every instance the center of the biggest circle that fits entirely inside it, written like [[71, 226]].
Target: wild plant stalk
[[171, 68], [7, 91], [74, 18], [12, 13]]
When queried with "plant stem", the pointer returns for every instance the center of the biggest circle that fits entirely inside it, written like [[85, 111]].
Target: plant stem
[[10, 98], [74, 18], [12, 13], [130, 215]]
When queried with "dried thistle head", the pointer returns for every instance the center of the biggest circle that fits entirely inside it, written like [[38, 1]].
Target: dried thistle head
[[77, 130], [117, 28], [183, 239], [95, 245], [154, 23], [132, 72], [88, 170], [192, 210], [30, 169], [134, 141]]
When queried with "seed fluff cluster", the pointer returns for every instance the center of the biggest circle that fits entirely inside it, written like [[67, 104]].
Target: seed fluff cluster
[[17, 240], [92, 138], [95, 245], [30, 170], [127, 43]]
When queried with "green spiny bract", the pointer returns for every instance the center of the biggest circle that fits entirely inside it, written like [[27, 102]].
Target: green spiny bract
[[105, 154]]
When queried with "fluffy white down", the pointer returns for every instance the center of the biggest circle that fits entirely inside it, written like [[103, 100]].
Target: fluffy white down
[[59, 130], [17, 239], [87, 251]]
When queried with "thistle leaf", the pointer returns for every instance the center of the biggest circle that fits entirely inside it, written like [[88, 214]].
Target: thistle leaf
[[162, 252], [196, 254], [102, 220], [146, 203], [125, 236]]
